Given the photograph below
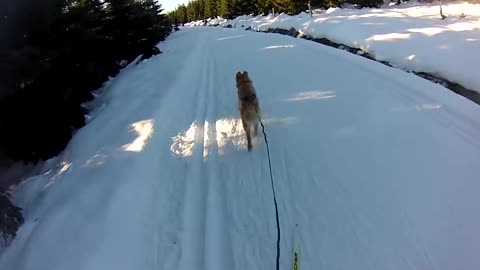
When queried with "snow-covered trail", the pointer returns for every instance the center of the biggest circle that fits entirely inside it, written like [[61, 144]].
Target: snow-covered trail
[[378, 167]]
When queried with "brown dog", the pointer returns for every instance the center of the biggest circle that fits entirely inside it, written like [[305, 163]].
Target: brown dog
[[248, 106]]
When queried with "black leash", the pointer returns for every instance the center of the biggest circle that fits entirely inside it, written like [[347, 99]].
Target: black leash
[[274, 196]]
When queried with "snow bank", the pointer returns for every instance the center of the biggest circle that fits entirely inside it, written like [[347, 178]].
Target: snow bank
[[409, 36], [210, 22]]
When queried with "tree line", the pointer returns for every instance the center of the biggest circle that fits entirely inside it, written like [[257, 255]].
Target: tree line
[[56, 53], [55, 66], [203, 9]]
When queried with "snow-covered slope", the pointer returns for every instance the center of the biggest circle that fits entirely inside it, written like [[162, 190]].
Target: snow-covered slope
[[410, 36], [379, 168]]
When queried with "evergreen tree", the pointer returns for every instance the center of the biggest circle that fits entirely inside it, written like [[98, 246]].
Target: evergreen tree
[[202, 9], [192, 14], [326, 3], [264, 6], [10, 218], [226, 9], [246, 7], [367, 3], [134, 26], [281, 5], [182, 14], [200, 6], [58, 65], [211, 8], [290, 6]]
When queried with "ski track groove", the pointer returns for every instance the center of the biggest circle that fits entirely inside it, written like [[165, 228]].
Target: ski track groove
[[215, 232], [166, 235], [193, 237]]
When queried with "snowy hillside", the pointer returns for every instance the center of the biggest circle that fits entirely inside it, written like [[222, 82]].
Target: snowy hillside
[[377, 167], [410, 36]]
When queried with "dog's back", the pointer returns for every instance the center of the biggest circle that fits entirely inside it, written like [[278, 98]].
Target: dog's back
[[248, 105], [247, 97]]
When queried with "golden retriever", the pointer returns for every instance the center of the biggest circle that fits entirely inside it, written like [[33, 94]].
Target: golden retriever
[[248, 106]]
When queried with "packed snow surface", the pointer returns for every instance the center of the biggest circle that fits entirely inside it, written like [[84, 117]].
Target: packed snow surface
[[376, 168]]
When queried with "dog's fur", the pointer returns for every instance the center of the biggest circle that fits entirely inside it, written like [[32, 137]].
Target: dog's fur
[[248, 106]]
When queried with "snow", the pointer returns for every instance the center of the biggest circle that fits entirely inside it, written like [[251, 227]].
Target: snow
[[409, 36], [209, 22], [377, 166]]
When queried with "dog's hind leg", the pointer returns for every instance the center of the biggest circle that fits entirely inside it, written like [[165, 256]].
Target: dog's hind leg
[[246, 127], [249, 141]]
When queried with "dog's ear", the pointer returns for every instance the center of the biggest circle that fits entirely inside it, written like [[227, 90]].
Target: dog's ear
[[238, 74], [245, 73]]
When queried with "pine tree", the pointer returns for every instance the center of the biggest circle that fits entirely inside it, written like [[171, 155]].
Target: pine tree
[[299, 6], [326, 3], [246, 7], [153, 24], [57, 67], [192, 12], [367, 3], [200, 7], [11, 218], [226, 9], [63, 61], [211, 8], [264, 6], [281, 5], [290, 6], [135, 26], [182, 14]]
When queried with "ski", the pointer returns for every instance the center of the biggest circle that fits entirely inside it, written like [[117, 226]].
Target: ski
[[296, 249]]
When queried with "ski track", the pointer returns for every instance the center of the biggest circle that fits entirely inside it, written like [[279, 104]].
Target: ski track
[[377, 173]]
